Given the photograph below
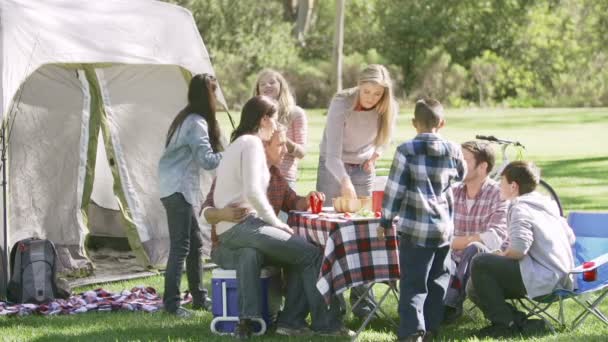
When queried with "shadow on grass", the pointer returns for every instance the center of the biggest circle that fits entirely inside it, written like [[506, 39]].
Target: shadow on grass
[[579, 167], [562, 174]]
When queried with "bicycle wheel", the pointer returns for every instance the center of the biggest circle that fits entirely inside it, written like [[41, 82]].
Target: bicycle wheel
[[546, 189]]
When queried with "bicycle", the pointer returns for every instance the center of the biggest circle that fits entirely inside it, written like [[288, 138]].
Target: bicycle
[[543, 187]]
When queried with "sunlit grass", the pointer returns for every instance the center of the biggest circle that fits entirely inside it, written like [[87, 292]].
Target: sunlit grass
[[570, 145]]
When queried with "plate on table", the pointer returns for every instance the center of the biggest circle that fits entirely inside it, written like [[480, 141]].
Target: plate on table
[[355, 217]]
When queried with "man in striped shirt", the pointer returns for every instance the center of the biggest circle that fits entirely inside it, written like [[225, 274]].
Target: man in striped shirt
[[419, 191], [480, 223]]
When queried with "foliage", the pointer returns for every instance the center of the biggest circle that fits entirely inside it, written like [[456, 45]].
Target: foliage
[[505, 53]]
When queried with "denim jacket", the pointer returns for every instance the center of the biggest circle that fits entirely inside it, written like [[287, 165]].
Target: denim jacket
[[188, 151]]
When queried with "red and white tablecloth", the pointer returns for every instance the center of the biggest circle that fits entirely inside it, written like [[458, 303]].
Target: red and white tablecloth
[[353, 254]]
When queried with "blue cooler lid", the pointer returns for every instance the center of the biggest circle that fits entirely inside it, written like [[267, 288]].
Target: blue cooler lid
[[221, 273]]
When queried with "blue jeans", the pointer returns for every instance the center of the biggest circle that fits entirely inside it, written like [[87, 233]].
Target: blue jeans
[[247, 262], [425, 273], [456, 295], [186, 245], [302, 261]]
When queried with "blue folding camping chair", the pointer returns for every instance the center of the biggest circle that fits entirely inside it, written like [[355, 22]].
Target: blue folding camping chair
[[591, 272]]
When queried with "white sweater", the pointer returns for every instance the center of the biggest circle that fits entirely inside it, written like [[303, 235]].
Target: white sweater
[[242, 180]]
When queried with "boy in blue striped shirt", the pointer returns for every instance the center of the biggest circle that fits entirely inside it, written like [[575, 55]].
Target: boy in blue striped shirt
[[419, 192]]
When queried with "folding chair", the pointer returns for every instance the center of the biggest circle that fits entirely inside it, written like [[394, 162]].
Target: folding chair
[[591, 272]]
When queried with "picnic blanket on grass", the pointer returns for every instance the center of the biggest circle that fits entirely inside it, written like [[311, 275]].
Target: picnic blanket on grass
[[139, 298]]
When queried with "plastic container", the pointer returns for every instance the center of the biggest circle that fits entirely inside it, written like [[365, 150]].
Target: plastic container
[[225, 307], [378, 192]]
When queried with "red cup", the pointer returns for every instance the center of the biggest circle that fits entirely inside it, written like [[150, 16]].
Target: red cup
[[589, 275], [316, 205], [377, 200]]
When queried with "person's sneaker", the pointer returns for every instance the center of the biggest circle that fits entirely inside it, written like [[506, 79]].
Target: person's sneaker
[[287, 331], [363, 311], [243, 329], [342, 332], [451, 314], [183, 313], [429, 336], [205, 304], [497, 330], [412, 338], [535, 327]]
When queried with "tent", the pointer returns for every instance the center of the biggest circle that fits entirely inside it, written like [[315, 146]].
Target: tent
[[89, 89]]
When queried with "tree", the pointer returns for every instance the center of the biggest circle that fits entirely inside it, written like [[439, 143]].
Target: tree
[[338, 44]]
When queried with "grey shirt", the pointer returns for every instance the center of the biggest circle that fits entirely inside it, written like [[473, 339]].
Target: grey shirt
[[349, 135], [538, 231], [180, 165]]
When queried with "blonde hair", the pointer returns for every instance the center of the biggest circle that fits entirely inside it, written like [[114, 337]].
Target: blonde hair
[[285, 101], [377, 74]]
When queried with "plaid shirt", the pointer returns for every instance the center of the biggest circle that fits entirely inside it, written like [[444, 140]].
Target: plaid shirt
[[280, 196], [419, 189], [487, 217]]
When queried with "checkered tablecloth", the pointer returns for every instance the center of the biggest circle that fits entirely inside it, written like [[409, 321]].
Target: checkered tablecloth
[[353, 254]]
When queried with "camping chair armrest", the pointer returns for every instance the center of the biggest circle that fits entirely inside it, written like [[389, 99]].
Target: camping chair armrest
[[599, 261]]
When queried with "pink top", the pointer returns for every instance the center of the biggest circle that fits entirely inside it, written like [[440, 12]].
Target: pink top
[[297, 131]]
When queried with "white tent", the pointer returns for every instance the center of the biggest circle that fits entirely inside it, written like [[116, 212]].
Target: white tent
[[73, 71]]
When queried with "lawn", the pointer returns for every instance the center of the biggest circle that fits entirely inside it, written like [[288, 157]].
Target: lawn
[[570, 145]]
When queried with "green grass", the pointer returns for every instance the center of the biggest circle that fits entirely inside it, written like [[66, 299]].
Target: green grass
[[570, 145]]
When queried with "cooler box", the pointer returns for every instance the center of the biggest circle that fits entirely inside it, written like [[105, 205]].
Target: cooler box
[[226, 303]]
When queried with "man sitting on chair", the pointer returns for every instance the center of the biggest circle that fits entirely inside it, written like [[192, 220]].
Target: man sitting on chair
[[536, 262], [480, 223]]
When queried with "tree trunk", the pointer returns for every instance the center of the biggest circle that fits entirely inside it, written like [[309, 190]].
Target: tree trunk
[[338, 44], [289, 10], [305, 9]]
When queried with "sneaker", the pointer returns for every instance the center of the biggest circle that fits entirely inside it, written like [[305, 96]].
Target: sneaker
[[183, 313], [429, 336], [497, 330], [531, 327], [287, 331], [412, 338], [363, 311], [204, 304], [451, 314], [342, 332], [243, 329]]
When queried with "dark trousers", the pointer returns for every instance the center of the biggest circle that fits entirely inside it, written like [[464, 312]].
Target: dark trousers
[[456, 295], [425, 273], [494, 279], [186, 245]]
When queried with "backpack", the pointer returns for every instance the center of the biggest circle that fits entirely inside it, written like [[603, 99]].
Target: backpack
[[34, 265]]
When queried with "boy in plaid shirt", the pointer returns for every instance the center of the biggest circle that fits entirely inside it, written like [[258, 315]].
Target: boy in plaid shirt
[[419, 192]]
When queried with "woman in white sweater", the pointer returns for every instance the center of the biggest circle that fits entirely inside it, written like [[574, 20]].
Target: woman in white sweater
[[242, 181]]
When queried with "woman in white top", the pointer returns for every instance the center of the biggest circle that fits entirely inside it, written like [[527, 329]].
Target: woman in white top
[[242, 181], [360, 122], [272, 84]]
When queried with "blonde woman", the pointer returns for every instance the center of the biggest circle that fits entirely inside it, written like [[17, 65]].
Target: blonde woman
[[272, 84], [360, 122]]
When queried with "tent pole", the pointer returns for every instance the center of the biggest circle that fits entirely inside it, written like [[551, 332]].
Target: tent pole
[[5, 254]]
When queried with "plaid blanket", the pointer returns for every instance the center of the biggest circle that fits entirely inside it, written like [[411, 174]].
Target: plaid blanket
[[139, 298], [353, 254]]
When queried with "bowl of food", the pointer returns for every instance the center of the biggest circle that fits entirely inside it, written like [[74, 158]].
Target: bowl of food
[[350, 205]]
